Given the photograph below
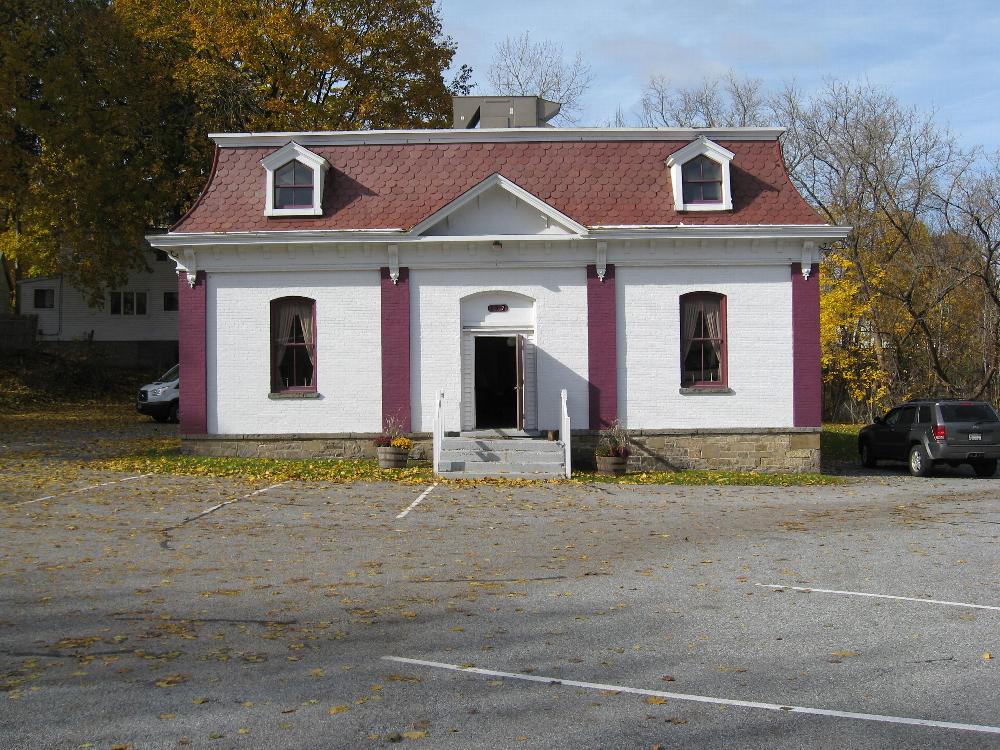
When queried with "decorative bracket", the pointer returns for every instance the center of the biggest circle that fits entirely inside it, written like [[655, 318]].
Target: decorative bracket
[[808, 252], [602, 260], [394, 263], [191, 264]]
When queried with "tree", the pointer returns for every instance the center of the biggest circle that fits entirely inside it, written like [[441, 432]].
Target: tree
[[82, 143], [910, 303], [109, 102], [522, 67]]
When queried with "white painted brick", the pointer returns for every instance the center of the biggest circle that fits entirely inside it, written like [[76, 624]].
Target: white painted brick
[[759, 308], [560, 296], [348, 347]]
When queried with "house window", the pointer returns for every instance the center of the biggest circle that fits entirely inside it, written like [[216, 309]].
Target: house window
[[170, 302], [128, 303], [293, 344], [703, 340], [45, 299], [293, 186], [702, 180]]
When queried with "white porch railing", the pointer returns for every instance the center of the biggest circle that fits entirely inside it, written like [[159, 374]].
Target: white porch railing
[[564, 431], [437, 436]]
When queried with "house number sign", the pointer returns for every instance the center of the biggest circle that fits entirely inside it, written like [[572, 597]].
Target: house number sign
[[498, 308]]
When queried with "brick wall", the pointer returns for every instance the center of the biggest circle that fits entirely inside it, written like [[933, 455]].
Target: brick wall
[[808, 378], [560, 296], [193, 353], [395, 335], [602, 349], [759, 344], [348, 350]]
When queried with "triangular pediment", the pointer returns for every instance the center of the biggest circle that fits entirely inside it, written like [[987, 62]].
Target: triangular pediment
[[497, 206]]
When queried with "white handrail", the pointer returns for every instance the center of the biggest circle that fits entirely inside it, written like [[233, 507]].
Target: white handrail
[[437, 437], [564, 431]]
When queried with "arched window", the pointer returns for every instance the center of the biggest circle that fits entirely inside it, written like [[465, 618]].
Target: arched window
[[703, 340], [293, 186], [293, 344], [702, 180]]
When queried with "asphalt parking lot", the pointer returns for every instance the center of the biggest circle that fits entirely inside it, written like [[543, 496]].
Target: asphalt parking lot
[[161, 612]]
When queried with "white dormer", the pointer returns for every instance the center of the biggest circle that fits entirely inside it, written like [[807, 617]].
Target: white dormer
[[699, 174], [295, 178]]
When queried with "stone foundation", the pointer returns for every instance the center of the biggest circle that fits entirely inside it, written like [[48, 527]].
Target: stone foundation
[[325, 445], [788, 449]]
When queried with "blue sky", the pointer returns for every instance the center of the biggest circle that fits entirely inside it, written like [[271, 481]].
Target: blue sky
[[936, 55]]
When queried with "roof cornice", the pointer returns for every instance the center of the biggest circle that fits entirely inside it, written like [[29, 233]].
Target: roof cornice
[[816, 232], [491, 135]]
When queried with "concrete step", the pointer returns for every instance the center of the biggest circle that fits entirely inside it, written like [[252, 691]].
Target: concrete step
[[481, 471], [501, 467], [496, 446], [502, 456]]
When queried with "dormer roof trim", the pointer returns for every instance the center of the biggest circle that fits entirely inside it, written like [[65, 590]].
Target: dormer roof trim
[[290, 151]]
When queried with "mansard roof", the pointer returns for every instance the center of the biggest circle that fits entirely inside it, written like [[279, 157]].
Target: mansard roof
[[595, 177]]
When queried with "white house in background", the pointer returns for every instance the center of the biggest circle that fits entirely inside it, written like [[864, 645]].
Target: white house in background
[[666, 278], [137, 327]]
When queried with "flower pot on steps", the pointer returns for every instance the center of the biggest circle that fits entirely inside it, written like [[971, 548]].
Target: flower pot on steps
[[612, 464], [390, 457]]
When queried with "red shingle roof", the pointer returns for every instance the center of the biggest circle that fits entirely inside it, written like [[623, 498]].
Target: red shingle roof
[[596, 183]]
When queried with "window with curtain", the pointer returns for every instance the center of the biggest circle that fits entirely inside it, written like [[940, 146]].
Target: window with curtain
[[703, 340], [293, 344]]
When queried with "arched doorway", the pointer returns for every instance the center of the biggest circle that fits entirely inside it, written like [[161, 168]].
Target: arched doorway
[[498, 362]]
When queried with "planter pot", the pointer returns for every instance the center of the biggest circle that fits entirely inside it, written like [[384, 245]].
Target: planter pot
[[612, 464], [392, 458]]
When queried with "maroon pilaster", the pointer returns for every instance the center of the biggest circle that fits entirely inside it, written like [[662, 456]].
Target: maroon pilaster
[[194, 371], [396, 348], [807, 379], [602, 347]]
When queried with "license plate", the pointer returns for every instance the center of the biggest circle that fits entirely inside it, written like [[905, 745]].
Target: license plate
[[975, 436]]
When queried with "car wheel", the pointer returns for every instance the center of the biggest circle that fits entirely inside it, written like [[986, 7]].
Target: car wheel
[[868, 459], [161, 418], [985, 468], [920, 462], [173, 412]]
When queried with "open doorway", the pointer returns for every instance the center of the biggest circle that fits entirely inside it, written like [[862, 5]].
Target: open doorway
[[496, 382]]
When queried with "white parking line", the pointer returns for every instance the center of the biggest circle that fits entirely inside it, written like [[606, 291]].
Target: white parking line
[[417, 502], [700, 698], [878, 596], [230, 502], [81, 489]]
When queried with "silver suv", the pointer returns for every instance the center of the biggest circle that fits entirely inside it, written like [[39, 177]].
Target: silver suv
[[161, 398], [928, 432]]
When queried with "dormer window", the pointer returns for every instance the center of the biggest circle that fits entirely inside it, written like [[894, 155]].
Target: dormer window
[[294, 184], [702, 180], [699, 175]]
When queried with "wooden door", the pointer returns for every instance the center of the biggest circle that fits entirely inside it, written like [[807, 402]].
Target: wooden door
[[519, 385]]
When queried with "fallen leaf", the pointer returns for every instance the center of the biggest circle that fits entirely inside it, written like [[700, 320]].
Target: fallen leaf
[[172, 680], [339, 709], [655, 700], [844, 654], [987, 656], [168, 716], [415, 734]]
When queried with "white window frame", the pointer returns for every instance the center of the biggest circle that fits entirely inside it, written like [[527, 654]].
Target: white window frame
[[294, 152], [701, 147]]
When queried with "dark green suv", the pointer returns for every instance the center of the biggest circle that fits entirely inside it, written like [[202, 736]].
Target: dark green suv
[[924, 433]]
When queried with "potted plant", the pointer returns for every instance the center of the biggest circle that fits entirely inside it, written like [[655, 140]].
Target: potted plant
[[613, 450], [393, 446]]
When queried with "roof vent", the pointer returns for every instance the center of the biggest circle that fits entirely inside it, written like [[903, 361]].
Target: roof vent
[[502, 112]]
